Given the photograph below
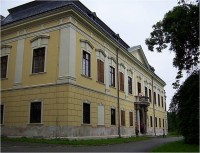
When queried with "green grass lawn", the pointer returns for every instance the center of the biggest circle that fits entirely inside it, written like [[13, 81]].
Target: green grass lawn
[[178, 146], [93, 142]]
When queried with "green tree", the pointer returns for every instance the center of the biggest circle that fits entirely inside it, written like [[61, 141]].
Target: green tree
[[180, 30], [185, 103]]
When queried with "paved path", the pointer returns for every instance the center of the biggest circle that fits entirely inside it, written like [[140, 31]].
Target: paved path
[[140, 146]]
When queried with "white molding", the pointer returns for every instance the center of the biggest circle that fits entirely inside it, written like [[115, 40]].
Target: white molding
[[19, 63], [67, 56]]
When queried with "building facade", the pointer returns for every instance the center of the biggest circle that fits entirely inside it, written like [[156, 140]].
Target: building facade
[[65, 73]]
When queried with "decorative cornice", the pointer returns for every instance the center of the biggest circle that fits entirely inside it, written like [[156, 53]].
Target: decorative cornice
[[39, 37], [122, 64], [112, 58], [86, 41], [101, 51]]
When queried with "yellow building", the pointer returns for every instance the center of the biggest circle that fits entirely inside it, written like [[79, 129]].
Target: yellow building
[[59, 65]]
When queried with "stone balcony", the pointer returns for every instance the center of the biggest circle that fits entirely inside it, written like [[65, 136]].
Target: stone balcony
[[142, 100]]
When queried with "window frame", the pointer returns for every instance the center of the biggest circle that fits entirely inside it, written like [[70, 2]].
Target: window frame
[[151, 121], [112, 76], [139, 88], [44, 66], [158, 99], [154, 98], [41, 117], [89, 64], [87, 103], [5, 51]]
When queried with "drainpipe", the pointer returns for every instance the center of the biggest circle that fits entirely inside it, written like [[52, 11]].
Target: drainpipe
[[118, 106], [153, 108]]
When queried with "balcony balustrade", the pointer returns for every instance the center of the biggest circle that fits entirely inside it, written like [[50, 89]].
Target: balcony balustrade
[[142, 100]]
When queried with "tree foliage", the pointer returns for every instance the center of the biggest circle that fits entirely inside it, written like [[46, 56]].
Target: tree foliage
[[179, 30], [185, 104]]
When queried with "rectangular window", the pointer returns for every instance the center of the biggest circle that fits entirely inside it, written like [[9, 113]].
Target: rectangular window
[[146, 92], [4, 65], [2, 113], [35, 112], [112, 76], [159, 122], [130, 85], [139, 88], [113, 122], [38, 60], [154, 98], [156, 121], [158, 100], [100, 115], [122, 117], [86, 113], [165, 107], [162, 101], [151, 121], [121, 77], [131, 118], [150, 95], [100, 68], [86, 64]]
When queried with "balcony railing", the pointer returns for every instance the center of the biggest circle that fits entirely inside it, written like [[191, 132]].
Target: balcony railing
[[142, 100]]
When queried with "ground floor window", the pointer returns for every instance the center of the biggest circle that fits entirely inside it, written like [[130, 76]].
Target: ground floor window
[[86, 113], [113, 118], [131, 118], [35, 112], [2, 113], [100, 115], [151, 121], [122, 117]]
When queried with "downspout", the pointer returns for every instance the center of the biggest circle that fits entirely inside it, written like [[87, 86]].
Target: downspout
[[118, 106], [153, 100]]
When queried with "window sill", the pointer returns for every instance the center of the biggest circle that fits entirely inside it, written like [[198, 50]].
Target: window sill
[[85, 76], [100, 125], [131, 94], [122, 91], [32, 74], [84, 124], [100, 83], [4, 78], [35, 124]]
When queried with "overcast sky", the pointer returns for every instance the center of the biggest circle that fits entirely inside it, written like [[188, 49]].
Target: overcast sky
[[133, 20]]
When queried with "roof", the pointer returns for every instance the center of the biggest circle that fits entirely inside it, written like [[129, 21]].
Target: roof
[[38, 7]]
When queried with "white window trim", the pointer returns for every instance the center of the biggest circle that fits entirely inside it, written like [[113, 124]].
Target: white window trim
[[5, 51], [112, 63], [100, 55], [86, 102], [29, 115], [98, 116]]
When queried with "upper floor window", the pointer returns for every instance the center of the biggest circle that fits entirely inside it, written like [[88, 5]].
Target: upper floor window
[[139, 88], [162, 100], [121, 77], [158, 100], [112, 76], [100, 68], [86, 64], [38, 60], [130, 85], [150, 95], [35, 112], [146, 91], [4, 65], [154, 97]]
